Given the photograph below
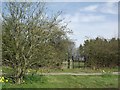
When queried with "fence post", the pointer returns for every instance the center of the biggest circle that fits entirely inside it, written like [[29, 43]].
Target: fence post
[[68, 63], [73, 61], [78, 63]]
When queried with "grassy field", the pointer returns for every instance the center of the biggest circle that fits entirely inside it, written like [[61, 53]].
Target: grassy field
[[104, 81], [78, 70], [66, 81], [75, 70]]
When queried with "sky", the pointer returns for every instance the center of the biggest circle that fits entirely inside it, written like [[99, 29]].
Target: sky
[[88, 19]]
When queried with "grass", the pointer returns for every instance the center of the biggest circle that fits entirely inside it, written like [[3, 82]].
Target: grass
[[77, 70], [63, 81], [9, 70], [66, 81]]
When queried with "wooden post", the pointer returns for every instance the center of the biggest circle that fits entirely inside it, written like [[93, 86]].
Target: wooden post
[[78, 63], [73, 61], [68, 63], [84, 61]]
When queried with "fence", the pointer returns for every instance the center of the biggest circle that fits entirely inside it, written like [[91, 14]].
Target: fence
[[74, 63]]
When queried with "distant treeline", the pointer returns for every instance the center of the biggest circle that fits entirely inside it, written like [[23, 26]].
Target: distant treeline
[[100, 52]]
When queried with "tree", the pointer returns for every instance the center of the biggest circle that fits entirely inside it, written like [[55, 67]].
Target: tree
[[100, 52], [27, 30]]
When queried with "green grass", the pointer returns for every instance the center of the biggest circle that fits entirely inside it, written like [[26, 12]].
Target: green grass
[[65, 81], [9, 70], [6, 69], [77, 70]]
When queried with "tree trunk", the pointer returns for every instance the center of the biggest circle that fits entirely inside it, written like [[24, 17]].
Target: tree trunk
[[18, 80], [19, 75]]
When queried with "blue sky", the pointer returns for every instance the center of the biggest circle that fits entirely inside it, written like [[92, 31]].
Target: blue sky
[[88, 19]]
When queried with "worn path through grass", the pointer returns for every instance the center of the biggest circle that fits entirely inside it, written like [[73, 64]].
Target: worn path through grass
[[112, 73]]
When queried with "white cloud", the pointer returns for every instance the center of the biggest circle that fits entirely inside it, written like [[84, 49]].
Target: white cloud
[[91, 8], [90, 25], [85, 18], [106, 30], [92, 18], [93, 21], [108, 8]]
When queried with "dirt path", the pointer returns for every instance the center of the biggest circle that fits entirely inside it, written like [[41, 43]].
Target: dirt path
[[113, 73]]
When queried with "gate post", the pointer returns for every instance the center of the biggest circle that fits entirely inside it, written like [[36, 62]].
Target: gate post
[[68, 63], [73, 61], [78, 63]]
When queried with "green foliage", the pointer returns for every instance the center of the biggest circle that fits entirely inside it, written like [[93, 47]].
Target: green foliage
[[36, 78], [31, 39], [100, 52]]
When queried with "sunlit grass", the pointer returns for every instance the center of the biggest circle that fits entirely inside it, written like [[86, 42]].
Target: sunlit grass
[[63, 81]]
